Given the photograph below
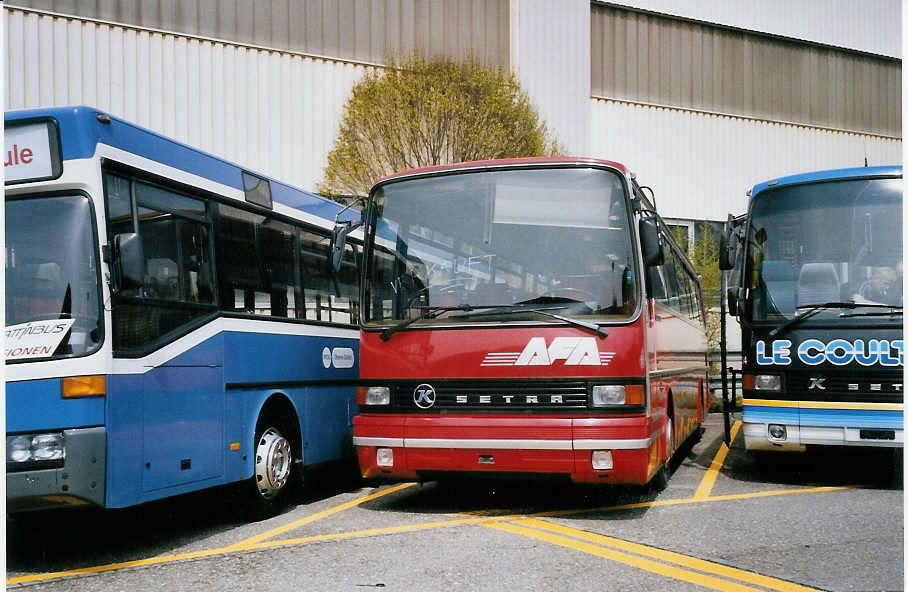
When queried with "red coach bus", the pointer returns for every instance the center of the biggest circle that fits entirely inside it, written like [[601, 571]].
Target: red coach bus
[[525, 317]]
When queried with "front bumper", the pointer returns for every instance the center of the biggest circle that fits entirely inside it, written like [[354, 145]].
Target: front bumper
[[79, 482], [426, 446], [756, 437]]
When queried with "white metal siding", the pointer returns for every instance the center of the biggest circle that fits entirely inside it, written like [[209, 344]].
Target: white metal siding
[[550, 53], [700, 165], [865, 25], [277, 113], [359, 30]]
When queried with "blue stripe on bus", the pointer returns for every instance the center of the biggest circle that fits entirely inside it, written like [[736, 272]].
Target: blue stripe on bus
[[759, 414], [852, 418], [824, 417]]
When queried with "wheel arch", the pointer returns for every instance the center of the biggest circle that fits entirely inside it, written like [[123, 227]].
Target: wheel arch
[[279, 404]]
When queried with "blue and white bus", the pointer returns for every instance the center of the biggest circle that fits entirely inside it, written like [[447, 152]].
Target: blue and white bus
[[171, 320], [818, 290]]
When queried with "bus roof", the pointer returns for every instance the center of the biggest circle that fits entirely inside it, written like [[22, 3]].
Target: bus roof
[[504, 162], [81, 131], [828, 175]]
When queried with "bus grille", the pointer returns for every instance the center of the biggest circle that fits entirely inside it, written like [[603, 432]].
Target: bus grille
[[858, 387], [499, 395]]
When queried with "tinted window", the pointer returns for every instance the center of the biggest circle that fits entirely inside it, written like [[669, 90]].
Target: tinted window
[[178, 283]]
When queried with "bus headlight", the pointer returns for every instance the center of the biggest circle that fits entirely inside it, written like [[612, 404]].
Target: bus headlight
[[35, 450], [373, 395], [609, 395], [767, 382]]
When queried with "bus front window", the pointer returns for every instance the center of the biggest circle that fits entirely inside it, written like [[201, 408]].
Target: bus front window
[[834, 241], [548, 238], [51, 276]]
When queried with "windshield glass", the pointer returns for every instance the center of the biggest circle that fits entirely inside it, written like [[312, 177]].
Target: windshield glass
[[52, 294], [826, 242], [547, 238]]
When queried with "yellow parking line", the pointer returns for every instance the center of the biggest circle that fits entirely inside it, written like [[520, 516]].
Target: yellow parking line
[[649, 565], [709, 479], [670, 556], [690, 500], [317, 516], [260, 544], [207, 553]]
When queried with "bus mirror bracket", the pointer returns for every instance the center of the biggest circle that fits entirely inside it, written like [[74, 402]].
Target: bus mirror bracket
[[129, 260], [651, 242], [339, 239]]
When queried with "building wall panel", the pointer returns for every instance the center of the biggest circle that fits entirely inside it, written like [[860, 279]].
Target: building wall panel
[[356, 30], [276, 112], [869, 26], [700, 165], [557, 81], [648, 58]]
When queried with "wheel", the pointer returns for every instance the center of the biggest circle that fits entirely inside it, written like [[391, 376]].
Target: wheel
[[273, 468]]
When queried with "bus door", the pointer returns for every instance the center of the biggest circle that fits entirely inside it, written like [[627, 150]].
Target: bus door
[[731, 259], [182, 397]]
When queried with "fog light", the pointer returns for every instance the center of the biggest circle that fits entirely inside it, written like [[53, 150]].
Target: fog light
[[777, 432], [384, 457], [602, 460]]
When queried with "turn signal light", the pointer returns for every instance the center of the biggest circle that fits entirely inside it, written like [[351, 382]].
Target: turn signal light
[[747, 382], [84, 386], [634, 394]]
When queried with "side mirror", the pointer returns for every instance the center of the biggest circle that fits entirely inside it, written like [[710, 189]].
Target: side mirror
[[650, 243], [731, 297], [337, 244], [726, 251], [129, 260]]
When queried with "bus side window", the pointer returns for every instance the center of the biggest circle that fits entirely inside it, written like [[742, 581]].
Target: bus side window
[[177, 287], [277, 248]]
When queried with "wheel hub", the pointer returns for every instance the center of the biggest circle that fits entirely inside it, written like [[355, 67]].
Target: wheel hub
[[272, 463]]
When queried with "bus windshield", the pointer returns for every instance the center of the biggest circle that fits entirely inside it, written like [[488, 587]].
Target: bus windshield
[[552, 239], [828, 242], [52, 281]]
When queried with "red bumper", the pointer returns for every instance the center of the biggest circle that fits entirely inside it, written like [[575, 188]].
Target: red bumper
[[509, 444]]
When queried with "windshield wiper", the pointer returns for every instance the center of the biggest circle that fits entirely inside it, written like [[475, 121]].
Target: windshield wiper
[[517, 308], [894, 309], [813, 309], [428, 312], [603, 333]]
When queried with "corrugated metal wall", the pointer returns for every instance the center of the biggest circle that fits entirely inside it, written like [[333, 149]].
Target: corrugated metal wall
[[700, 165], [874, 26], [275, 112], [652, 59], [360, 30], [550, 53]]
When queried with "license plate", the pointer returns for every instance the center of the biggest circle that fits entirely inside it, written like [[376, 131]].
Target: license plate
[[877, 434]]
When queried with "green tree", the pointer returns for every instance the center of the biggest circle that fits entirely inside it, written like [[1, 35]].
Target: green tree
[[704, 255], [420, 112]]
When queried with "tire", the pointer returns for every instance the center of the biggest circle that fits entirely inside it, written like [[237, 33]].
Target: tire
[[660, 480], [274, 470]]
